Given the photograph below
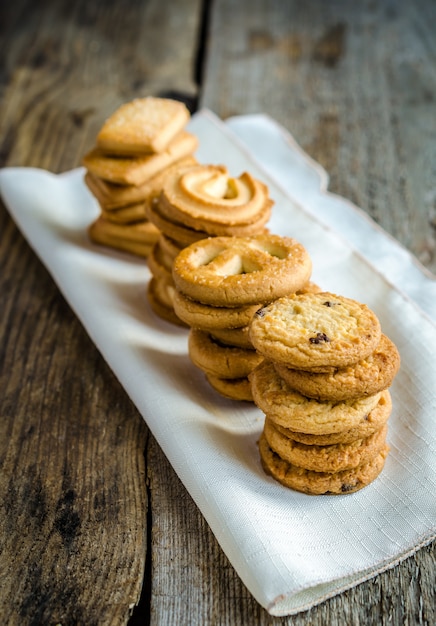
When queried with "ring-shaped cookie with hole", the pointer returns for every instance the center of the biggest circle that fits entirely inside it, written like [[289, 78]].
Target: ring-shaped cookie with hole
[[233, 271], [207, 193], [207, 317]]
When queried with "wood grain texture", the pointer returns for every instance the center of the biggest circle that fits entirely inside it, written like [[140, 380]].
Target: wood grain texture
[[73, 499], [90, 509], [355, 83]]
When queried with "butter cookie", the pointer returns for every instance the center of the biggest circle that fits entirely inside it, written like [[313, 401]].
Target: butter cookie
[[313, 330], [292, 410], [325, 458], [233, 271], [371, 375], [142, 125], [320, 483]]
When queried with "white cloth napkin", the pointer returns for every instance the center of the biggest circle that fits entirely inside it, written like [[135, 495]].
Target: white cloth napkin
[[291, 550]]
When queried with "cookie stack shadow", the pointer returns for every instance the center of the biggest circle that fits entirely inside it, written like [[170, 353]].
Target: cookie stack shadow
[[136, 148], [325, 422], [197, 203], [220, 283]]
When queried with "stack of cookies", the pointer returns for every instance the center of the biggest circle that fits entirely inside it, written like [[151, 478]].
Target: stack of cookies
[[196, 203], [220, 283], [136, 148], [323, 386]]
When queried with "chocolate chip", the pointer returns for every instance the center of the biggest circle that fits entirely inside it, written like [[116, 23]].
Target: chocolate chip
[[347, 487], [320, 338], [260, 312]]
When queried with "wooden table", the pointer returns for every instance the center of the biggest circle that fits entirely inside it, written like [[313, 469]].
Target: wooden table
[[93, 519]]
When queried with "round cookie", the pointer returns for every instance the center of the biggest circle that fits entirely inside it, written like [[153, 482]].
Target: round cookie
[[235, 271], [315, 330], [173, 230], [233, 388], [208, 317], [320, 483], [220, 360], [371, 375], [331, 458], [158, 266], [169, 249], [159, 297], [290, 409], [233, 337], [206, 198], [368, 425]]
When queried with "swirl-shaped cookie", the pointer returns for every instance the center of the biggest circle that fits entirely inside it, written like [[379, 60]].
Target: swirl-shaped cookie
[[206, 197]]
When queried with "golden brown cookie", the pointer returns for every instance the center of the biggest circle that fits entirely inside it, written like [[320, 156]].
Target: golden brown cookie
[[142, 125], [157, 263], [169, 248], [136, 170], [136, 238], [233, 388], [325, 458], [369, 424], [172, 230], [292, 410], [207, 198], [207, 317], [113, 196], [315, 330], [159, 294], [320, 483], [236, 271], [233, 336], [218, 359], [127, 214], [371, 375]]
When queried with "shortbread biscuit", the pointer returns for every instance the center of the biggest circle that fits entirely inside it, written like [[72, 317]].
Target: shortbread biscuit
[[158, 267], [319, 483], [330, 458], [206, 197], [233, 388], [177, 232], [315, 330], [169, 248], [292, 410], [137, 170], [127, 214], [218, 359], [211, 318], [374, 373], [159, 295], [113, 196], [233, 271], [143, 125], [369, 424], [136, 238], [233, 337]]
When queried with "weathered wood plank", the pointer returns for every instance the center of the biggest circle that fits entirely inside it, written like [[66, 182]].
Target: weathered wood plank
[[72, 481], [356, 85]]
